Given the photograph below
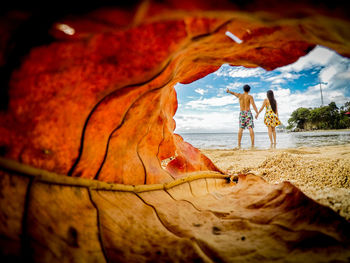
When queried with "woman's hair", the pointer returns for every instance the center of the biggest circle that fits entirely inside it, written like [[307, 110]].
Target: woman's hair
[[272, 100]]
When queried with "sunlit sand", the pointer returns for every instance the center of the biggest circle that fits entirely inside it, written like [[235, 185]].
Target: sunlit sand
[[322, 173]]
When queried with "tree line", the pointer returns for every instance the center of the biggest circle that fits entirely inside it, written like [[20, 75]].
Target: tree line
[[323, 117]]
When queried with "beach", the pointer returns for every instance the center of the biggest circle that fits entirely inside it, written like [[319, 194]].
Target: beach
[[322, 173]]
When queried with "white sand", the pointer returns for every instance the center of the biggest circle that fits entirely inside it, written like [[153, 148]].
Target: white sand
[[322, 173]]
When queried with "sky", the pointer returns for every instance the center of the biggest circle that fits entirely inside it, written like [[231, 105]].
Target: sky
[[205, 107]]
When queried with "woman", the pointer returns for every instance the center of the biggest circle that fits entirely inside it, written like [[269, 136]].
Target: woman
[[271, 119]]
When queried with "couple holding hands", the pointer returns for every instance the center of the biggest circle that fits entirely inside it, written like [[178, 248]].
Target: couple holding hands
[[271, 119]]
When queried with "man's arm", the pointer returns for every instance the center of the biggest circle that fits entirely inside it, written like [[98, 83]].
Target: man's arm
[[253, 103], [233, 93]]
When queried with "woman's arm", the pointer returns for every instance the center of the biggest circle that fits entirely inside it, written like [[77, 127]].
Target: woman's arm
[[262, 107], [276, 109]]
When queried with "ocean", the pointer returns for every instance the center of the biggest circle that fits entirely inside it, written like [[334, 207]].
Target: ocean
[[284, 139]]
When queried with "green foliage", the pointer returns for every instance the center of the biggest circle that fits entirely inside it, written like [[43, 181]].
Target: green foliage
[[324, 117], [299, 118], [346, 107]]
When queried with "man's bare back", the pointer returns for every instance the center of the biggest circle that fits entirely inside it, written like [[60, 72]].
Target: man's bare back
[[245, 101], [245, 117]]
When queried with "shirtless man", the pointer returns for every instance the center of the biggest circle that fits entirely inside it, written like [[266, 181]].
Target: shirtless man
[[245, 116]]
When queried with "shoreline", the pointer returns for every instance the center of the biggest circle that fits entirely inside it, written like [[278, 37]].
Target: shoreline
[[322, 173], [269, 148], [334, 130], [278, 131]]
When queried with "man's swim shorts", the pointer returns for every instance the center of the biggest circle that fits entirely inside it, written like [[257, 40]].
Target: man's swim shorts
[[246, 119]]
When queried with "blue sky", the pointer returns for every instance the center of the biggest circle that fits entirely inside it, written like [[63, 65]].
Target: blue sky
[[204, 105]]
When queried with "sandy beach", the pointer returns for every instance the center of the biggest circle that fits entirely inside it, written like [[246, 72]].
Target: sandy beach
[[322, 173]]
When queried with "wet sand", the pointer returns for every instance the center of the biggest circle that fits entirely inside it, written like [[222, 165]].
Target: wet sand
[[322, 173]]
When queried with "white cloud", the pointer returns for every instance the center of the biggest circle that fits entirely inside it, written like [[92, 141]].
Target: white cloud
[[319, 56], [201, 91], [328, 73], [205, 122], [279, 81], [284, 77], [344, 75], [335, 77], [235, 85], [239, 72], [211, 102]]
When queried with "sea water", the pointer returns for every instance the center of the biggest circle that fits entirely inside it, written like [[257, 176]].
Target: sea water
[[284, 139]]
